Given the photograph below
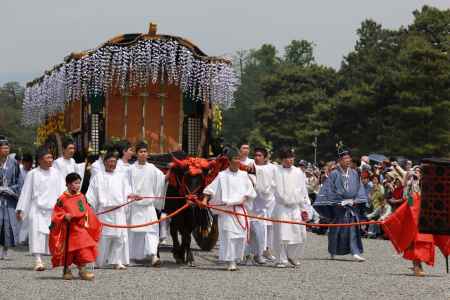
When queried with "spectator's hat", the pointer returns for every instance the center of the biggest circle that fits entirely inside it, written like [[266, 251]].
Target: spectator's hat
[[394, 175]]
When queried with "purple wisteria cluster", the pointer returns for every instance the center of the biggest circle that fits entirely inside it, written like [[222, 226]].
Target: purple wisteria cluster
[[115, 66]]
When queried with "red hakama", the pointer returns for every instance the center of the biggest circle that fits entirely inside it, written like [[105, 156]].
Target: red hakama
[[84, 232]]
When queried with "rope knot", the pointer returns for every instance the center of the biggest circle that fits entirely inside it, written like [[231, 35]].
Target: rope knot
[[192, 198]]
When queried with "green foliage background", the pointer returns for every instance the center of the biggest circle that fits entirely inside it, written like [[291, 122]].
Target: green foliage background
[[21, 138], [390, 95]]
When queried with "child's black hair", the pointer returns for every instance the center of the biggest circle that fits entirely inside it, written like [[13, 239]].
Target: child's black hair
[[71, 177]]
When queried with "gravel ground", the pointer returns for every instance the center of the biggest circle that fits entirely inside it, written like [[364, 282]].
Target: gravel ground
[[384, 276]]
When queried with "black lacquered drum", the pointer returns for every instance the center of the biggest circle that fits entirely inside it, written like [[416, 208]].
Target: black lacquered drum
[[435, 205]]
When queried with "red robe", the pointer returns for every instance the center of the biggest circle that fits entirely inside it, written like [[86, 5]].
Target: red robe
[[84, 232], [402, 229]]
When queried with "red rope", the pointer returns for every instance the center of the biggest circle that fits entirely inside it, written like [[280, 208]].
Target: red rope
[[292, 222], [194, 199], [135, 200], [148, 223]]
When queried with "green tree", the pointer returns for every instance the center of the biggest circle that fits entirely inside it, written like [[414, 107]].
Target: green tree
[[291, 94], [299, 53], [254, 66], [21, 137]]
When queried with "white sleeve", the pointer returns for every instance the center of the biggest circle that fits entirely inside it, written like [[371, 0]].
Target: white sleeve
[[80, 168], [56, 165], [213, 187], [127, 191], [26, 194], [160, 189], [92, 193], [213, 190], [249, 194]]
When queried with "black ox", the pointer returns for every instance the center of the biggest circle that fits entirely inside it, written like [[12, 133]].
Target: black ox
[[188, 184]]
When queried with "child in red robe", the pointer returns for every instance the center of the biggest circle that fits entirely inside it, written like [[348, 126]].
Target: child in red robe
[[79, 241]]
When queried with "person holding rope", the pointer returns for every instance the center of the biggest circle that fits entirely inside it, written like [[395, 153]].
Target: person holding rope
[[262, 206], [339, 200], [107, 190], [148, 180], [43, 185], [74, 231], [292, 203], [231, 189]]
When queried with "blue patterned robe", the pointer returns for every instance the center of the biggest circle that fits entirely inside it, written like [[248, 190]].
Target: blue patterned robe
[[336, 188], [9, 193]]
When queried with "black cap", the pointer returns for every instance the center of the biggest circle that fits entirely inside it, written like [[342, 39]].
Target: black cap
[[343, 152]]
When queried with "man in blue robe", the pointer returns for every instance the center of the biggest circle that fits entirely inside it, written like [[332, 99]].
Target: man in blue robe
[[341, 200], [9, 191]]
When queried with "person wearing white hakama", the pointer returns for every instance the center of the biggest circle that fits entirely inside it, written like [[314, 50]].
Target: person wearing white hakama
[[66, 164], [245, 160], [42, 187], [146, 180], [260, 207], [244, 151], [231, 189], [126, 152], [291, 203], [107, 190]]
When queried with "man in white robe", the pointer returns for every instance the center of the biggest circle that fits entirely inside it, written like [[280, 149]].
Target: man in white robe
[[126, 152], [146, 180], [107, 190], [260, 206], [231, 189], [66, 164], [43, 185], [292, 203], [244, 152]]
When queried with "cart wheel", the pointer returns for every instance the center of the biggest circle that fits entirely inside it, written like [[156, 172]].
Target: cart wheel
[[207, 239]]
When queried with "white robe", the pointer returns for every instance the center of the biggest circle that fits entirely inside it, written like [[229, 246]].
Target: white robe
[[67, 166], [248, 161], [291, 198], [107, 190], [146, 180], [37, 199], [97, 167], [262, 206], [124, 168], [231, 189], [265, 188]]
